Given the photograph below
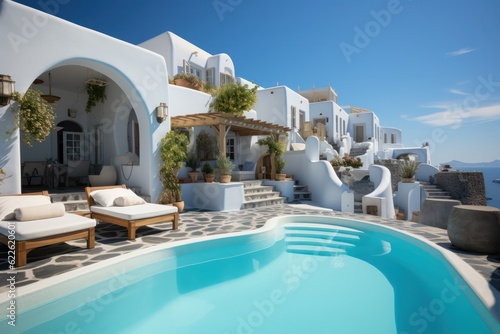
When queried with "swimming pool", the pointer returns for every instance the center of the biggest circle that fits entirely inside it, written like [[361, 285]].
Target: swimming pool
[[297, 274]]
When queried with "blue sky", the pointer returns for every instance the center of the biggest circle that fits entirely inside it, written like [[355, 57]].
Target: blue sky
[[428, 67]]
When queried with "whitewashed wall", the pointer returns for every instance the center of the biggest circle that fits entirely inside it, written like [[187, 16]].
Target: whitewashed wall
[[33, 42]]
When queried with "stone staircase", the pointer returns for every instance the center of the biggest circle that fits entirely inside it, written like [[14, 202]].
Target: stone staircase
[[358, 207], [433, 191], [73, 202], [301, 192], [357, 151], [258, 195], [77, 201]]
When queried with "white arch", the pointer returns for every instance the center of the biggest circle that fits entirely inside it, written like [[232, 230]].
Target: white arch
[[33, 42]]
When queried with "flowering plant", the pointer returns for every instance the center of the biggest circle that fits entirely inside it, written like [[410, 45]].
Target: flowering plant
[[35, 116], [352, 162], [337, 161], [346, 161]]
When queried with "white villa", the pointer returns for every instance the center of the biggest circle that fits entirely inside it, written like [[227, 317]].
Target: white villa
[[59, 58]]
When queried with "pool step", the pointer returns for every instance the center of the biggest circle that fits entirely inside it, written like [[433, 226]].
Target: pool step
[[320, 239], [323, 251]]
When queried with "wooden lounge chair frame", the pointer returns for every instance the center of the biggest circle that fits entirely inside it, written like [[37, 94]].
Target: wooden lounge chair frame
[[131, 225], [23, 247]]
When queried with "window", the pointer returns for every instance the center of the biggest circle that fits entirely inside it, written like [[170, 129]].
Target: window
[[73, 146], [292, 116], [194, 71], [337, 124], [230, 148], [393, 138], [385, 138], [190, 69], [343, 127], [225, 79], [211, 75]]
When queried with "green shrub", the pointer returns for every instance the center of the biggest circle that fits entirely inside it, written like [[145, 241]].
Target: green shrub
[[234, 98]]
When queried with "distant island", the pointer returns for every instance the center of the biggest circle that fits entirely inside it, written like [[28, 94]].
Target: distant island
[[456, 164]]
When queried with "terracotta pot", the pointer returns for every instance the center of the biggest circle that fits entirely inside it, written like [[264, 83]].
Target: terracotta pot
[[193, 176], [187, 84], [408, 180], [225, 178], [209, 178], [179, 205], [280, 177]]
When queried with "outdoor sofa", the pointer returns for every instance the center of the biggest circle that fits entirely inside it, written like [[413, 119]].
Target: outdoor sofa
[[121, 206], [29, 221]]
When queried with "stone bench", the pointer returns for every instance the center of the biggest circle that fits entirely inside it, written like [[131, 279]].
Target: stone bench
[[475, 228], [435, 212]]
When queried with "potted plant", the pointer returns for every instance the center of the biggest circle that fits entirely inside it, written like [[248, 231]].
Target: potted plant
[[193, 164], [225, 167], [188, 80], [173, 149], [279, 164], [173, 152], [409, 170], [234, 98], [352, 162], [276, 147], [33, 116], [207, 147], [337, 162], [96, 93], [208, 172]]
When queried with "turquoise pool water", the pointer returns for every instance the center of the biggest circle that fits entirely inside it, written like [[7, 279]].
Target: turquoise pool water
[[316, 276]]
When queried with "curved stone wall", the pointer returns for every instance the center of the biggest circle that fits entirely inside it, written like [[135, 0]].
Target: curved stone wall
[[467, 187]]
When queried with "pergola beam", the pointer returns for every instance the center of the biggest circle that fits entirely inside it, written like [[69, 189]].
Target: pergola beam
[[223, 123]]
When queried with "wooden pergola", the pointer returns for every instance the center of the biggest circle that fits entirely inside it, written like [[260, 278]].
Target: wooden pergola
[[223, 123]]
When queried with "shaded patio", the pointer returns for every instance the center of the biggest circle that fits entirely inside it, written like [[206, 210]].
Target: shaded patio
[[222, 123]]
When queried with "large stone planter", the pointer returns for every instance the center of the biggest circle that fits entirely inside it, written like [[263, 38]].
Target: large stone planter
[[475, 228]]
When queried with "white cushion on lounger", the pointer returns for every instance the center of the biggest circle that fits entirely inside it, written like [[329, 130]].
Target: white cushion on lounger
[[9, 203], [135, 212], [38, 212], [106, 197], [129, 200], [34, 229]]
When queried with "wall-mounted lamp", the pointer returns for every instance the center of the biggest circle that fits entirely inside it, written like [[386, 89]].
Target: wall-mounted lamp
[[6, 89], [161, 112]]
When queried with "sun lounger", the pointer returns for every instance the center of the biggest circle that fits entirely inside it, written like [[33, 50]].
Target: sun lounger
[[119, 205], [30, 221]]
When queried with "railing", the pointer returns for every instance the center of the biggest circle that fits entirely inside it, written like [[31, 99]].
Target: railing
[[381, 197]]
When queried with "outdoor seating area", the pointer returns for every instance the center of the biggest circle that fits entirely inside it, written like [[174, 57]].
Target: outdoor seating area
[[121, 206], [49, 174], [31, 221]]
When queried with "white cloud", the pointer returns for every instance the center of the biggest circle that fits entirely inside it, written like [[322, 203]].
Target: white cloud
[[454, 115], [460, 52], [457, 91]]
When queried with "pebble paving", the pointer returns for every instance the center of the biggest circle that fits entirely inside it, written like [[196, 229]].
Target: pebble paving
[[111, 241]]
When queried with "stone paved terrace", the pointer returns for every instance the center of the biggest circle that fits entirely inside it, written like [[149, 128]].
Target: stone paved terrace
[[111, 241]]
